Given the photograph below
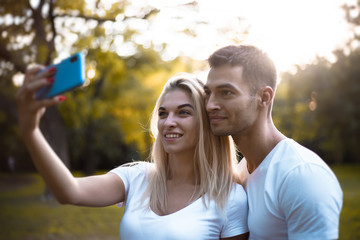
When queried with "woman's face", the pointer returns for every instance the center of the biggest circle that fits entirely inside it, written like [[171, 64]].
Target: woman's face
[[178, 128]]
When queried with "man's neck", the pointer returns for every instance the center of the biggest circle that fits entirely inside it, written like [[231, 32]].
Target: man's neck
[[257, 145]]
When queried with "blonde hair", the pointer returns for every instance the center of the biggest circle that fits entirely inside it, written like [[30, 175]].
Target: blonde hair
[[214, 157]]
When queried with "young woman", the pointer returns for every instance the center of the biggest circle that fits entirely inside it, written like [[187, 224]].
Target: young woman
[[187, 191]]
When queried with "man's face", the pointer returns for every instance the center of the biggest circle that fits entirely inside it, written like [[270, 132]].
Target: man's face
[[229, 103]]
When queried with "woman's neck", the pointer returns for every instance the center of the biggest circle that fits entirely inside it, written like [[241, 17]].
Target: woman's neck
[[182, 169]]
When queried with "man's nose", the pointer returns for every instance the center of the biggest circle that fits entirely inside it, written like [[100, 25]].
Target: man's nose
[[212, 104]]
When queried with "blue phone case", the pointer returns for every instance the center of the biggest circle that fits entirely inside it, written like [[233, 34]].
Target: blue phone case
[[70, 73]]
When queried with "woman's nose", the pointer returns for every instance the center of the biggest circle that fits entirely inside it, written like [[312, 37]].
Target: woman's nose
[[170, 121]]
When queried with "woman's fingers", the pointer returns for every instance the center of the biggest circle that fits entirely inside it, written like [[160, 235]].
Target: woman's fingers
[[52, 101], [31, 72], [32, 86], [27, 90], [46, 73], [35, 78], [38, 72], [31, 110]]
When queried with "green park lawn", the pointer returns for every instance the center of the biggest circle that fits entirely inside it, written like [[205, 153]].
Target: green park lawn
[[24, 214]]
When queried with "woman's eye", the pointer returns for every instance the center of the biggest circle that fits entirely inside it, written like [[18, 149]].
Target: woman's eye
[[184, 112], [162, 114]]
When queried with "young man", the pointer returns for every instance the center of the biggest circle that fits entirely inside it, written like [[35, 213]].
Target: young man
[[292, 193]]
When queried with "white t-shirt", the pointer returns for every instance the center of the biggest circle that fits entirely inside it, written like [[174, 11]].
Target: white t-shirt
[[292, 194], [192, 222]]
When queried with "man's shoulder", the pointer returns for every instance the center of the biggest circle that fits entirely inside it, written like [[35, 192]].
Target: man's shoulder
[[302, 167], [290, 154], [294, 162]]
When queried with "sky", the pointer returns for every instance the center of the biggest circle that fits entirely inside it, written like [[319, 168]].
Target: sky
[[290, 31]]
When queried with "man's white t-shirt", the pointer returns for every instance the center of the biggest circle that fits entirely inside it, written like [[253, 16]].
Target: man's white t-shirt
[[196, 221], [292, 194]]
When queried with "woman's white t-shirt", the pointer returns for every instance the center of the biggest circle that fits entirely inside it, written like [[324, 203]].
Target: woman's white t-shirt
[[195, 221]]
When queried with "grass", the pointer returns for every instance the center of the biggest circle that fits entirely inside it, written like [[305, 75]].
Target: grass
[[25, 215], [349, 177]]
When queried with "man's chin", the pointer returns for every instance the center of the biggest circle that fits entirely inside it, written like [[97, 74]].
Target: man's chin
[[219, 132]]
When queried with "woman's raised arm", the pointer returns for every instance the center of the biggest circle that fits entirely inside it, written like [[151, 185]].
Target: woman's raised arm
[[101, 190]]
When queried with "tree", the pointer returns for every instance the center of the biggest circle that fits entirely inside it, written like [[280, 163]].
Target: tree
[[35, 31], [318, 106], [44, 30]]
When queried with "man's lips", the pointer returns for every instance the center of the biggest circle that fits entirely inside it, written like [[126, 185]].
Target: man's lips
[[216, 119]]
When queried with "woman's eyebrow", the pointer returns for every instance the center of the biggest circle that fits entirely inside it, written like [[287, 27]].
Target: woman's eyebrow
[[185, 105], [180, 106]]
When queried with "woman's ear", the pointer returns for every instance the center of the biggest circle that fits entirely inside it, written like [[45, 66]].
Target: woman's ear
[[266, 95]]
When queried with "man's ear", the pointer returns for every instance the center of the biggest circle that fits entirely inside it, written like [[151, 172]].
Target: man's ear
[[266, 95]]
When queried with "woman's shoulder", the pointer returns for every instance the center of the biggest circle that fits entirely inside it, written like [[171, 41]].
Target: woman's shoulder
[[142, 165], [237, 194], [134, 168], [236, 210]]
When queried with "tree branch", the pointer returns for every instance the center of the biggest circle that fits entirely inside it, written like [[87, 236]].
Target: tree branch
[[104, 19], [51, 43], [98, 19]]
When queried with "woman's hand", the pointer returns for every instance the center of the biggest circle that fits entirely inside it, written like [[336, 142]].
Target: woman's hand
[[30, 110]]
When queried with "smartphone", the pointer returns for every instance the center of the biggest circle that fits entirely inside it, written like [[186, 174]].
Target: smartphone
[[70, 73]]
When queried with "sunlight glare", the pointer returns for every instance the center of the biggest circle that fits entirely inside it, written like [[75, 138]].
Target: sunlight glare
[[18, 79], [291, 32], [298, 31], [90, 73]]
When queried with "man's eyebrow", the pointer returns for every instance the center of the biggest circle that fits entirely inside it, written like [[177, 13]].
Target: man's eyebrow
[[225, 85]]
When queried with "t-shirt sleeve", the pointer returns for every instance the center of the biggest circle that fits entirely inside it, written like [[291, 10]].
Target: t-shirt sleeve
[[128, 173], [236, 213], [311, 205]]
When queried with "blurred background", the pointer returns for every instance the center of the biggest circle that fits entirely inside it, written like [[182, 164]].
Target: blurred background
[[132, 47]]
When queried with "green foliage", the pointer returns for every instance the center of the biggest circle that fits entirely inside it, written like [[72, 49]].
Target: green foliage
[[318, 106], [105, 120]]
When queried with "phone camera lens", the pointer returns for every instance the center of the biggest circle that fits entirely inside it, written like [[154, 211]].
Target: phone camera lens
[[73, 59]]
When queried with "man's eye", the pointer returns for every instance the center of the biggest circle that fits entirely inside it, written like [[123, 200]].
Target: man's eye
[[226, 92]]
